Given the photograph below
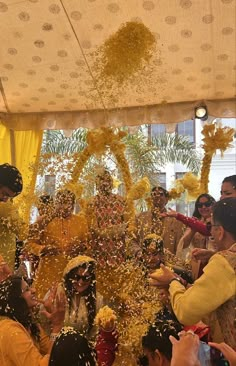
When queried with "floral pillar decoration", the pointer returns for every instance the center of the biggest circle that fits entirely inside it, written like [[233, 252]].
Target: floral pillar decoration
[[100, 140], [214, 137]]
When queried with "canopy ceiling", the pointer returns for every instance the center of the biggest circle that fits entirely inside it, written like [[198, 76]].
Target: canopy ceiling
[[47, 57]]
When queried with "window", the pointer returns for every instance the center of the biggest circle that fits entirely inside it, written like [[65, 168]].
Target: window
[[156, 130], [186, 128], [50, 184], [179, 175], [162, 179]]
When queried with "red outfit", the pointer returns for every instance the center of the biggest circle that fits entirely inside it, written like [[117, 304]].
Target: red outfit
[[106, 215], [106, 347], [194, 224]]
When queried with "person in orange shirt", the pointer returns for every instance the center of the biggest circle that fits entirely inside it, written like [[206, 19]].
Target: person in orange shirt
[[23, 341], [63, 238]]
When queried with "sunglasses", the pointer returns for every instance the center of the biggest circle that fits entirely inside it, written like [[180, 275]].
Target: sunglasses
[[84, 278], [206, 204]]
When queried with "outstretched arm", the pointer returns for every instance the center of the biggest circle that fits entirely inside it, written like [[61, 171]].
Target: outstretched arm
[[191, 222]]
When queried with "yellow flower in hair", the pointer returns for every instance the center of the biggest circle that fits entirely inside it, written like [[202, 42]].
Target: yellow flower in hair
[[76, 262], [153, 236]]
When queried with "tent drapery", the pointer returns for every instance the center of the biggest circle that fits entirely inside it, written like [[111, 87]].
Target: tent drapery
[[48, 50], [165, 113], [23, 152]]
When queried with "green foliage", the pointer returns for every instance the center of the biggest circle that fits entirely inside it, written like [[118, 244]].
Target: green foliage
[[145, 158], [55, 142], [173, 148], [141, 157]]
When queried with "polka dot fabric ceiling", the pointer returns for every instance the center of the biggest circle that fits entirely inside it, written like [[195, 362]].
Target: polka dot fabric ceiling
[[48, 50]]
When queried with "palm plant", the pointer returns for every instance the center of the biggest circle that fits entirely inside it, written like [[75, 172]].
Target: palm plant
[[174, 148], [145, 157], [55, 142]]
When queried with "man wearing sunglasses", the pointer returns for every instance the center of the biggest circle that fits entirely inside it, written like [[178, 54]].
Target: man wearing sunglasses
[[215, 290], [153, 222]]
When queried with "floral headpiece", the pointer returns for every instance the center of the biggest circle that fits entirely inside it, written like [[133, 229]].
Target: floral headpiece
[[77, 262]]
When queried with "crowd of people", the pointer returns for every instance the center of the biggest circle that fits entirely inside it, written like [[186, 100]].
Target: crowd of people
[[62, 315]]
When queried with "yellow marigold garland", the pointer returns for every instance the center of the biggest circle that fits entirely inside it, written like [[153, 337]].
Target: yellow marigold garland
[[215, 137]]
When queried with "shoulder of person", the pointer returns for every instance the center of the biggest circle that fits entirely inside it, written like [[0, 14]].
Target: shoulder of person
[[11, 327], [99, 300], [221, 261], [229, 255], [144, 215], [53, 222], [81, 215]]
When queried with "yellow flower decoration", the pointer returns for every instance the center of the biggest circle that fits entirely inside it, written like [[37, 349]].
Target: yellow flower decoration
[[139, 189], [125, 52], [215, 137], [116, 182], [153, 236], [99, 141], [104, 316]]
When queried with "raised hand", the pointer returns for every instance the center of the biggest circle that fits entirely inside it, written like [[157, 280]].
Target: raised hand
[[4, 271], [227, 351], [185, 350], [202, 254], [49, 301], [54, 311], [161, 280]]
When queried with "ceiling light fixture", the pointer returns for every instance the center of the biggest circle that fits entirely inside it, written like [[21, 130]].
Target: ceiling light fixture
[[201, 113]]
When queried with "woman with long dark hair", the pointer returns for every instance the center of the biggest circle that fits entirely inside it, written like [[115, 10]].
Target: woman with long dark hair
[[202, 211], [83, 301], [22, 341], [198, 232], [82, 305]]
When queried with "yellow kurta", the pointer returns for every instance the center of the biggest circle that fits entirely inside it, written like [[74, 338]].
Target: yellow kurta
[[64, 235], [17, 347], [212, 291]]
